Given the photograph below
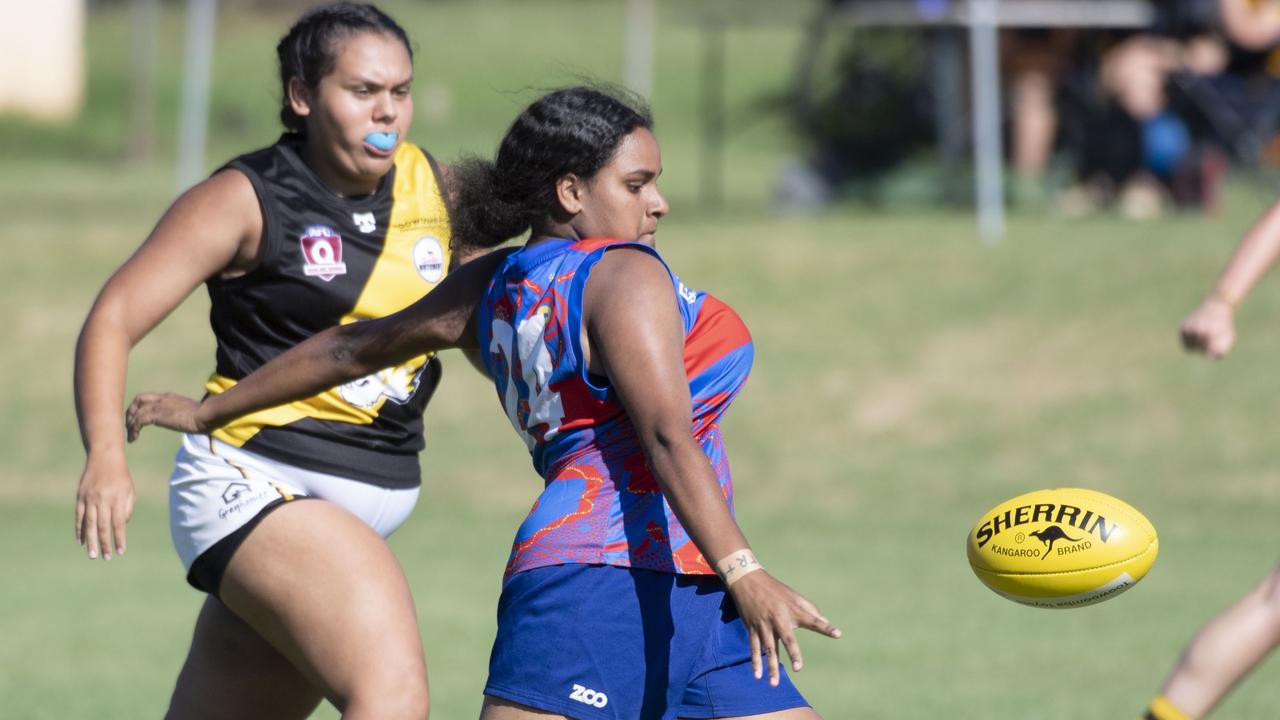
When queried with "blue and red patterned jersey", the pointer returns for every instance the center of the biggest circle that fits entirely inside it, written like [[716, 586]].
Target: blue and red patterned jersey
[[601, 504]]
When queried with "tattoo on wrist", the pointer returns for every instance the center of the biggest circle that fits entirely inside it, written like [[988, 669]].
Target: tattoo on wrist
[[734, 566]]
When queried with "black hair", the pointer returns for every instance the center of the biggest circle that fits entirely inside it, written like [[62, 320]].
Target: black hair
[[310, 49], [573, 130]]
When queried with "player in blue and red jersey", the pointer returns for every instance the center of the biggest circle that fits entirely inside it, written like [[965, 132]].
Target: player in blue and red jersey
[[602, 503], [630, 591]]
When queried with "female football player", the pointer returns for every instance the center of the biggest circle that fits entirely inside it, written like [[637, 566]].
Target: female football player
[[1242, 636], [630, 591], [280, 515]]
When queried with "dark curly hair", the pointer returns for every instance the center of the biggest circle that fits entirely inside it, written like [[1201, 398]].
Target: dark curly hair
[[574, 130], [310, 49]]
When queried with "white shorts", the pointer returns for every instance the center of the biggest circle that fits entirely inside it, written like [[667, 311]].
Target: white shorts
[[217, 489]]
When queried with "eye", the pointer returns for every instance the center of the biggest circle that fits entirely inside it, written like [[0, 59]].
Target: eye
[[635, 188], [361, 91], [402, 92]]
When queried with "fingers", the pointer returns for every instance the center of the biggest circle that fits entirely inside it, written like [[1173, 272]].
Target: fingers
[[793, 650], [104, 534], [119, 519], [90, 530], [756, 665], [79, 520], [1220, 345], [769, 642], [820, 625], [134, 417], [97, 523], [1191, 340]]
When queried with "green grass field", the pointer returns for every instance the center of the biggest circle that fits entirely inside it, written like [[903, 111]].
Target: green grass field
[[907, 379]]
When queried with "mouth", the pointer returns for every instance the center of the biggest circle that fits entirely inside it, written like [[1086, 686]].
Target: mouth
[[381, 144]]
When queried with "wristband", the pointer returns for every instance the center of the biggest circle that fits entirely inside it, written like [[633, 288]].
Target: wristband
[[732, 567], [1226, 298]]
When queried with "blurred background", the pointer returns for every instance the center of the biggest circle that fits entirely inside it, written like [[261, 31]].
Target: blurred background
[[828, 164]]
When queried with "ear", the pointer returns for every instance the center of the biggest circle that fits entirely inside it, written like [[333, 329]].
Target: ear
[[299, 97], [569, 191]]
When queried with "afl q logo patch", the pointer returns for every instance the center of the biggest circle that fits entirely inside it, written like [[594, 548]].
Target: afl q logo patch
[[428, 258], [322, 253]]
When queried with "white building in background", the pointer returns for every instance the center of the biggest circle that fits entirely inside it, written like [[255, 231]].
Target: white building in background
[[42, 70]]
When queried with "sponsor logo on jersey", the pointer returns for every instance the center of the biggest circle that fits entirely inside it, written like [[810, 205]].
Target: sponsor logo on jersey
[[689, 296], [428, 258], [411, 224], [588, 696], [322, 253], [397, 384], [365, 222]]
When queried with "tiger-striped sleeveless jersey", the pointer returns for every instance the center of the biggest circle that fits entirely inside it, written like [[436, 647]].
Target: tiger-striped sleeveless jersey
[[327, 260]]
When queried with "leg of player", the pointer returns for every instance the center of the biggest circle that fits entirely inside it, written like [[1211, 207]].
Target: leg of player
[[1225, 650], [231, 673], [792, 714], [499, 709], [326, 591]]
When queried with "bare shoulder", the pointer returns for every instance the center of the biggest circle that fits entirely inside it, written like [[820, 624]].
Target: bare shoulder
[[630, 269], [229, 190], [215, 227], [220, 214], [627, 280]]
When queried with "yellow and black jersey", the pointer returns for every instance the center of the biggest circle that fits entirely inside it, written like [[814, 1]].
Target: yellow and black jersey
[[327, 260]]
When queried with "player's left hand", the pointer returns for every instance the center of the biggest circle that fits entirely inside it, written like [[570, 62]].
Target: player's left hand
[[772, 612], [167, 410], [1210, 328]]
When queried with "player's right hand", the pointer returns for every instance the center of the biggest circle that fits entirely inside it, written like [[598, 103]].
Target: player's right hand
[[772, 612], [104, 504], [1210, 328], [167, 410]]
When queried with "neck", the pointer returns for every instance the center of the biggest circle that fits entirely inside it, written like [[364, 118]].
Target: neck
[[553, 229], [329, 173]]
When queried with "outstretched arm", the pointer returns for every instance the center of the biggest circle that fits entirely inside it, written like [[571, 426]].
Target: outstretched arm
[[1210, 328], [213, 226], [636, 337], [443, 318]]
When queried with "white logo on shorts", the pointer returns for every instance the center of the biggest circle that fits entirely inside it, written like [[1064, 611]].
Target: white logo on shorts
[[233, 492], [588, 696]]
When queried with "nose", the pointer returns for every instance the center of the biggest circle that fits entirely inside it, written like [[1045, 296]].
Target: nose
[[384, 109], [660, 206]]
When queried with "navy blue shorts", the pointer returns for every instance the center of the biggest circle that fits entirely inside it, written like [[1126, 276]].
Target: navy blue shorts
[[597, 641]]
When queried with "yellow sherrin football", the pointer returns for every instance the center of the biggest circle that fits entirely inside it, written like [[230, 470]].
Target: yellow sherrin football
[[1062, 548]]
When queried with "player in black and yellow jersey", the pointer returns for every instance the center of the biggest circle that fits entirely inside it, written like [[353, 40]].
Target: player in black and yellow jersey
[[338, 221]]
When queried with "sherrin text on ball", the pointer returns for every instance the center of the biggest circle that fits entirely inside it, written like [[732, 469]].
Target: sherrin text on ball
[[1062, 548]]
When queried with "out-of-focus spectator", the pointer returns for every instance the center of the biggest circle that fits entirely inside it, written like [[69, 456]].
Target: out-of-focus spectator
[[1034, 62], [1180, 97], [1148, 117], [1239, 93]]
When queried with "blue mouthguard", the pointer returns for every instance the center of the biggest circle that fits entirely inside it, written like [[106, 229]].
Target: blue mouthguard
[[381, 140]]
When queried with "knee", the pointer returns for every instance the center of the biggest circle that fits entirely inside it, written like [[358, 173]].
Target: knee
[[402, 700]]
